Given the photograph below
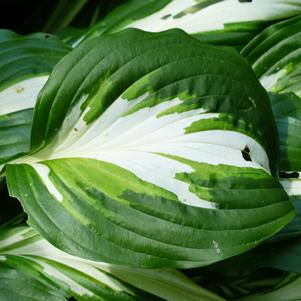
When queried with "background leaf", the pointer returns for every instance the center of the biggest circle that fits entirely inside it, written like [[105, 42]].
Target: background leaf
[[275, 56], [26, 62], [29, 256], [213, 21]]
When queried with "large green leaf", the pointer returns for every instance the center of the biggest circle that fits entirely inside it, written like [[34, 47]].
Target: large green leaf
[[22, 249], [229, 22], [152, 149], [275, 56], [26, 62]]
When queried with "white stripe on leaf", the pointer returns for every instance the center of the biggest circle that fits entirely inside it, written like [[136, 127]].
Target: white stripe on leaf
[[43, 171], [137, 141]]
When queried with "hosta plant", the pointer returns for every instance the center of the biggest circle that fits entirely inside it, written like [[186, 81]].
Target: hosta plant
[[141, 144], [147, 151]]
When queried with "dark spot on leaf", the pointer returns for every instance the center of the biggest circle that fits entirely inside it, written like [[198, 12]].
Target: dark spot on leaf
[[246, 154], [76, 130], [245, 0], [288, 175], [166, 16], [47, 36]]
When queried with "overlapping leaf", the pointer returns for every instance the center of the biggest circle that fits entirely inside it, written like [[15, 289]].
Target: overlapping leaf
[[257, 272], [19, 286], [283, 255], [29, 259], [150, 152], [26, 62], [230, 22], [287, 111], [287, 290], [275, 56], [24, 249]]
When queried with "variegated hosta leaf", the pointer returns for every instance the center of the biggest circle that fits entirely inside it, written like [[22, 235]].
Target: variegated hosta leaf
[[275, 55], [152, 150], [26, 62], [230, 22], [21, 248]]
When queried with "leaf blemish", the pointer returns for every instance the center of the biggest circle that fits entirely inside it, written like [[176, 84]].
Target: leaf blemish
[[19, 89]]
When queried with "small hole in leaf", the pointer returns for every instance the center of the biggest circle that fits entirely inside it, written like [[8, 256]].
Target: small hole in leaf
[[288, 175], [246, 154], [47, 36]]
